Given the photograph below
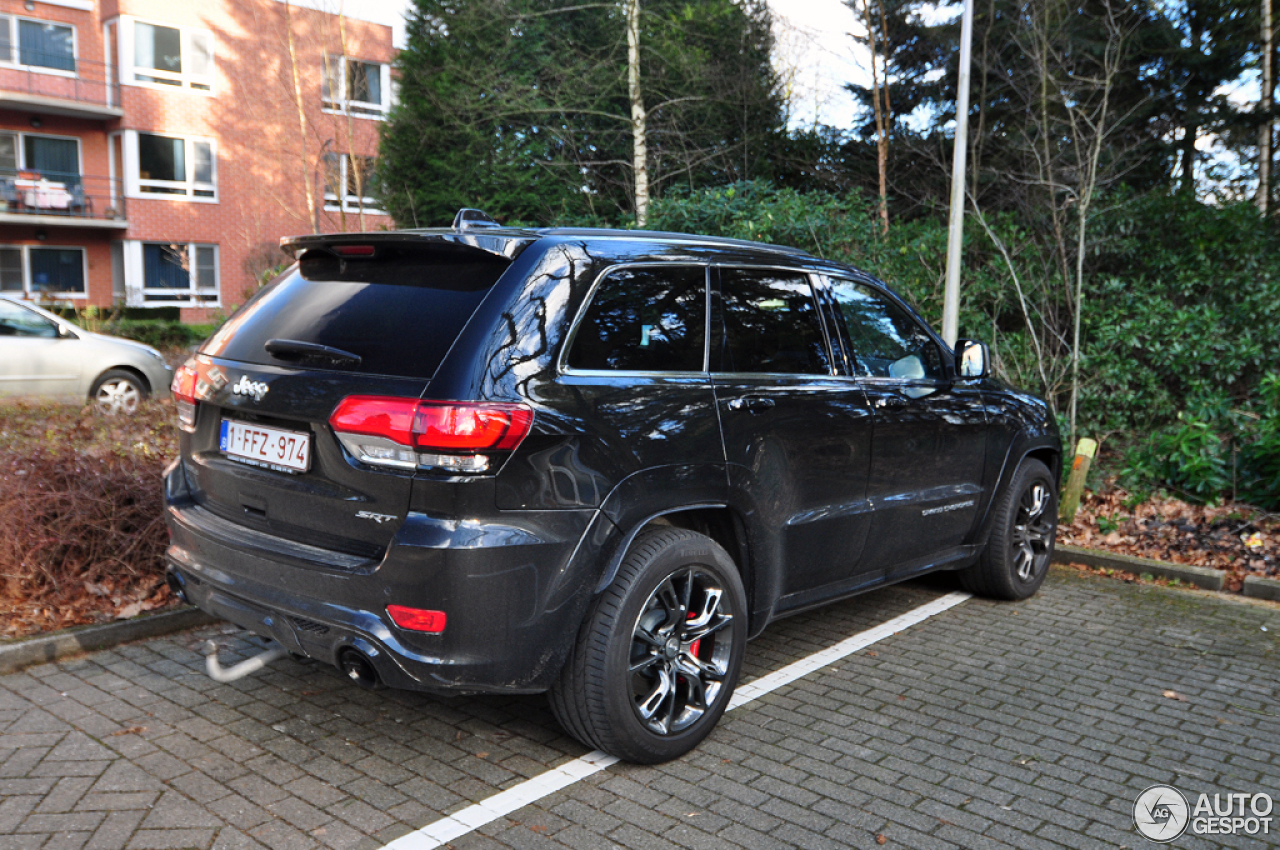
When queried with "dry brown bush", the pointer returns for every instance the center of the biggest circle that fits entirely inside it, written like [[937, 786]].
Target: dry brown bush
[[82, 533]]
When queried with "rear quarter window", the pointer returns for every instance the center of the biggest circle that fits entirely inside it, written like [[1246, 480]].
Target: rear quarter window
[[644, 319], [399, 312]]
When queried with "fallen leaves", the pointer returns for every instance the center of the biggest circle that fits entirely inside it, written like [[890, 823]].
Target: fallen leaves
[[132, 730], [1236, 539]]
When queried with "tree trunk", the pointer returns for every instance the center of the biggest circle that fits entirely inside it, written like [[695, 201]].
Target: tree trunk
[[302, 121], [1266, 130], [639, 133], [880, 100]]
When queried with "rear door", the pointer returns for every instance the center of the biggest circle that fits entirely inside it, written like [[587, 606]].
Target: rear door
[[263, 454], [929, 443], [797, 436]]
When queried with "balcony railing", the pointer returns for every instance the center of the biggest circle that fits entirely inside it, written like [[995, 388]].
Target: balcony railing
[[61, 198], [65, 86]]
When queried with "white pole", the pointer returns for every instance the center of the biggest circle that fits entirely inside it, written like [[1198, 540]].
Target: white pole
[[955, 235]]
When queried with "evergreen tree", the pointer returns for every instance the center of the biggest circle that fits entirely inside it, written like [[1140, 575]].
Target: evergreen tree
[[520, 107]]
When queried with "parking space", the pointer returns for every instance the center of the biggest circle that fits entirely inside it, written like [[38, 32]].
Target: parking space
[[986, 725]]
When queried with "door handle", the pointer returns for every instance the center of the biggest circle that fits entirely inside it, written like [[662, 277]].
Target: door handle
[[751, 405], [892, 402]]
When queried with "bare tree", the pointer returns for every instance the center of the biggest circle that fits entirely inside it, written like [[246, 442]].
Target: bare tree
[[1066, 153]]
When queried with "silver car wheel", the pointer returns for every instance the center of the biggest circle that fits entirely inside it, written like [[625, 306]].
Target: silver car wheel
[[118, 395]]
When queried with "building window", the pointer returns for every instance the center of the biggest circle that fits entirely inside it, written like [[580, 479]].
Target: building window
[[348, 184], [54, 158], [38, 44], [36, 271], [180, 57], [355, 87], [175, 165], [179, 272]]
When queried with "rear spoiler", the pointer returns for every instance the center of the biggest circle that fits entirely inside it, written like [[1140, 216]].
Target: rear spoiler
[[501, 242]]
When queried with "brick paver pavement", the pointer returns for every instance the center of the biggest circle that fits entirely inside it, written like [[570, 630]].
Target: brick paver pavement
[[1032, 725]]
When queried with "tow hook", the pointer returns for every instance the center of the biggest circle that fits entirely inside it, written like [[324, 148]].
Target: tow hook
[[244, 668]]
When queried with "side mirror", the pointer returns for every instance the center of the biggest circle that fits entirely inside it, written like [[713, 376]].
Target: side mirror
[[973, 359], [65, 332]]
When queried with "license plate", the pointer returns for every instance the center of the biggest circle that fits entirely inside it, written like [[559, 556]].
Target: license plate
[[260, 445]]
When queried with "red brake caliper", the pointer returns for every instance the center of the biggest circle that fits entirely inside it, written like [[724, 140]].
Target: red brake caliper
[[697, 644]]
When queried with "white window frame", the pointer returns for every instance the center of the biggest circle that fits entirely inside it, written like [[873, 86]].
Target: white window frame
[[30, 294], [135, 185], [339, 104], [21, 153], [132, 75], [349, 203], [135, 275], [16, 46]]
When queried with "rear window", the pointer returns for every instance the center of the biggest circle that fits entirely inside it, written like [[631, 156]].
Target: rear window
[[398, 313]]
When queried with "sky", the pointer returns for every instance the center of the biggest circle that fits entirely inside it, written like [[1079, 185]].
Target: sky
[[817, 54]]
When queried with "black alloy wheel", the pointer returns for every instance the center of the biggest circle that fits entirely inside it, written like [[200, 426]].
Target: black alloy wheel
[[1016, 559], [659, 653], [680, 651]]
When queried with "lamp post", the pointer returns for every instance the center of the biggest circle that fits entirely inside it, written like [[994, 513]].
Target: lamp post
[[955, 233]]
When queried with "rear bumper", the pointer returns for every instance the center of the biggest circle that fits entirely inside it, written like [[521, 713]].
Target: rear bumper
[[514, 587]]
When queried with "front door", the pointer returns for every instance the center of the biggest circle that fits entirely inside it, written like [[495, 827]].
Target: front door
[[929, 440], [34, 358]]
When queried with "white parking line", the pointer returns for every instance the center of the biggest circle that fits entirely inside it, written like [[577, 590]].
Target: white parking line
[[513, 799]]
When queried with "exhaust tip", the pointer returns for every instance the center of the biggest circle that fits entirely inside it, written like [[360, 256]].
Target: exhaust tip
[[359, 669], [176, 585]]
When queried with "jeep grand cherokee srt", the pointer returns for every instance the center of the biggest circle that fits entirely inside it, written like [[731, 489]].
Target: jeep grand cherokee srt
[[590, 462]]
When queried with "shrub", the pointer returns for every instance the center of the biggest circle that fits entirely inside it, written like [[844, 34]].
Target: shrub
[[81, 512], [1217, 451]]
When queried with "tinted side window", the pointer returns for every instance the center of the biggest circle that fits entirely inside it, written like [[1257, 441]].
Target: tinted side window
[[645, 319], [771, 323], [885, 340]]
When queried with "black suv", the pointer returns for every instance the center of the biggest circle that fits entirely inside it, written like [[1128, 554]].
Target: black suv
[[594, 462]]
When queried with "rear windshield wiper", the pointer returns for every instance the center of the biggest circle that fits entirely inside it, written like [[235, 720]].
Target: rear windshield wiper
[[296, 349]]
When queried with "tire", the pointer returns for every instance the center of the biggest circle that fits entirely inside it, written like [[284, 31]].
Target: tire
[[118, 391], [659, 653], [1017, 556]]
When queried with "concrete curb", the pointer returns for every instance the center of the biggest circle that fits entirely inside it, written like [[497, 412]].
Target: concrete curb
[[1209, 579], [45, 648], [1262, 588]]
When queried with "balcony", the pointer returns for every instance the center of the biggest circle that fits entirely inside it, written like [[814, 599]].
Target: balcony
[[61, 200], [84, 92]]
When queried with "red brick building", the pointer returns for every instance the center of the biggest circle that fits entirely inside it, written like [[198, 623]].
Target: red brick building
[[153, 152]]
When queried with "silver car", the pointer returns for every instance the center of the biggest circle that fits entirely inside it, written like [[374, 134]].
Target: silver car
[[44, 355]]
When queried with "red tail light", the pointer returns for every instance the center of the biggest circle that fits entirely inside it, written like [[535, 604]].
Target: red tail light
[[184, 393], [376, 416], [184, 383], [417, 619], [406, 432], [471, 427]]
